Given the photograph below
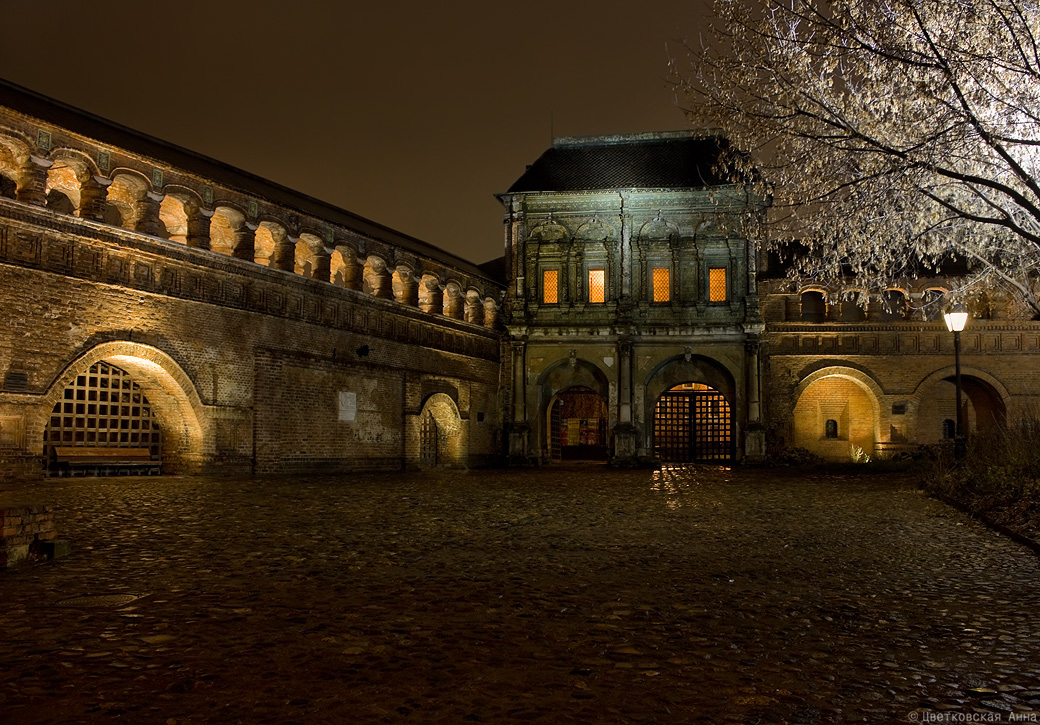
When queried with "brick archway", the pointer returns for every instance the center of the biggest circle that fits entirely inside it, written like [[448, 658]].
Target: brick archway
[[837, 413], [173, 397]]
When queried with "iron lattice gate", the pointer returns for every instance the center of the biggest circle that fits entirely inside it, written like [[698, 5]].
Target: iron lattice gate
[[693, 425], [556, 431], [428, 440], [103, 407]]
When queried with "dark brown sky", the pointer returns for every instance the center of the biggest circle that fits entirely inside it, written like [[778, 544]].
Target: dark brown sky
[[412, 114]]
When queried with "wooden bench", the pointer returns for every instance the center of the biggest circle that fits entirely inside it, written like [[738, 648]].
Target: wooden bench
[[73, 460]]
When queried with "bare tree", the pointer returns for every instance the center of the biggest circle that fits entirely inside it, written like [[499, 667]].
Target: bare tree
[[894, 135]]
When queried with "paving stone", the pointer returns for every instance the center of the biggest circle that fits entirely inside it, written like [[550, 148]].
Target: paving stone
[[555, 595]]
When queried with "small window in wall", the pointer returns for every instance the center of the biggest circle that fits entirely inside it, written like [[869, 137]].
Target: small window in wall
[[662, 284], [597, 285], [814, 307], [717, 284], [550, 287], [830, 429], [949, 429]]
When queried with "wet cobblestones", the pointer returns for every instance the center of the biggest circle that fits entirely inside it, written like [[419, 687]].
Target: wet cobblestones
[[570, 596]]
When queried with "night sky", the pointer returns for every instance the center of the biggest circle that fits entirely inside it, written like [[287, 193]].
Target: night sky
[[411, 114]]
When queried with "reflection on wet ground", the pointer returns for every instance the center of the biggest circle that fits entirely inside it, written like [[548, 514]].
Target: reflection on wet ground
[[575, 595]]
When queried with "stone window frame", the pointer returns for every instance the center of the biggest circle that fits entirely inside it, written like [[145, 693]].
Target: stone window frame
[[543, 270], [652, 287], [716, 264]]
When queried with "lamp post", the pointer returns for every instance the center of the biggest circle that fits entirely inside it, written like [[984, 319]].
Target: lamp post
[[956, 318]]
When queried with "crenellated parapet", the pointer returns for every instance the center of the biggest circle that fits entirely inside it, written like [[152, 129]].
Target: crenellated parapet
[[75, 164]]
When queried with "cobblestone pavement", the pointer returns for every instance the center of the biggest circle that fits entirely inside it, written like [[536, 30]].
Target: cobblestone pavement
[[580, 595]]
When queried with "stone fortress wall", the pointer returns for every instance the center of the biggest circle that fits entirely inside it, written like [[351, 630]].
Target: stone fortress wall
[[267, 331]]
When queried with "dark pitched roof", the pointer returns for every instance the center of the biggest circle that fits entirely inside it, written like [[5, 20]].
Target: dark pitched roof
[[31, 103], [675, 160]]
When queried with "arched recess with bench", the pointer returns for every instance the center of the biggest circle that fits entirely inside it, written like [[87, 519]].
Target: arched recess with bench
[[122, 407]]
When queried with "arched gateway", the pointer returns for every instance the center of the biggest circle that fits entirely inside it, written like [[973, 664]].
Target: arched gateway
[[693, 422]]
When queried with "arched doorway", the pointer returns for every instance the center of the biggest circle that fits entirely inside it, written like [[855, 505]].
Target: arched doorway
[[441, 439], [693, 422], [578, 425]]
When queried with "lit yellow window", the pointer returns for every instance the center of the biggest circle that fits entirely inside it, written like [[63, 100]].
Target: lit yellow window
[[550, 287], [662, 285], [597, 285], [717, 284]]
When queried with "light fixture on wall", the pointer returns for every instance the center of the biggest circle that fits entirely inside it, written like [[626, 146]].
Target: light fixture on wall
[[956, 318]]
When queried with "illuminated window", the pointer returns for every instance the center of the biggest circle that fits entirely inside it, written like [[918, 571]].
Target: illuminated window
[[831, 429], [550, 287], [717, 284], [597, 285], [662, 284]]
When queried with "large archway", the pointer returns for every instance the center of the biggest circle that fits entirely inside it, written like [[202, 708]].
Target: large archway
[[441, 435], [984, 407], [567, 388], [693, 422], [703, 387], [836, 415], [172, 413], [578, 425]]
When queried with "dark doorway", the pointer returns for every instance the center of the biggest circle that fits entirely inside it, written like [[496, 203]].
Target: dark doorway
[[578, 426], [693, 423]]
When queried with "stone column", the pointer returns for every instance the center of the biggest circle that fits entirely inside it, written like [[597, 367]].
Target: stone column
[[243, 241], [432, 299], [93, 193], [32, 181], [490, 314], [452, 302], [380, 281], [755, 436], [409, 294], [625, 253], [519, 430], [626, 439], [283, 256], [146, 213], [198, 228], [322, 265]]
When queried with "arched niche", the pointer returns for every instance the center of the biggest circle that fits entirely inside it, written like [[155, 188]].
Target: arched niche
[[127, 195], [842, 400]]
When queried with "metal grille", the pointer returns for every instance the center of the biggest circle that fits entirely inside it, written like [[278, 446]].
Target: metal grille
[[103, 408], [597, 285], [662, 284], [717, 284], [693, 425], [550, 287], [556, 431], [428, 440]]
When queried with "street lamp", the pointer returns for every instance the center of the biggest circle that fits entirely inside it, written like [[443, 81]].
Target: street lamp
[[956, 318]]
